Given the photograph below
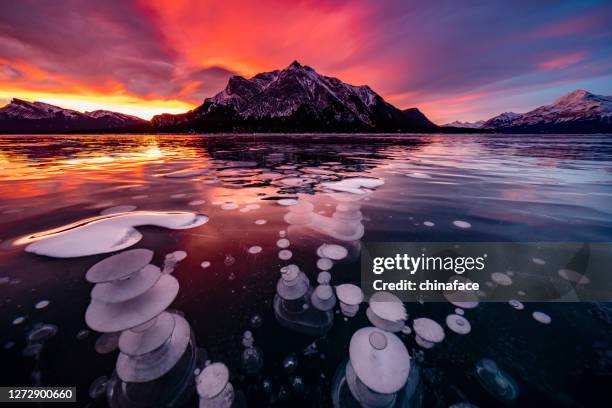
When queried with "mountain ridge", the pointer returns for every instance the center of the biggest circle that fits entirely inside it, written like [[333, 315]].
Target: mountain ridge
[[295, 99], [578, 111], [40, 117]]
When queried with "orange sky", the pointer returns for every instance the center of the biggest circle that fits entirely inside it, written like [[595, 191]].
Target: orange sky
[[148, 57]]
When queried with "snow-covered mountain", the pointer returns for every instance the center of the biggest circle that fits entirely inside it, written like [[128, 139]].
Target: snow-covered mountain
[[501, 120], [577, 112], [39, 117], [465, 125], [294, 99], [114, 119]]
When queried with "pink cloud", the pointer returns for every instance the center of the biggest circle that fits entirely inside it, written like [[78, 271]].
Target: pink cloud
[[562, 61]]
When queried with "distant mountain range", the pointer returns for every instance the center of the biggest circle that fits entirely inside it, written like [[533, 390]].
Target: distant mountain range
[[577, 112], [39, 117], [298, 99], [465, 125], [295, 99]]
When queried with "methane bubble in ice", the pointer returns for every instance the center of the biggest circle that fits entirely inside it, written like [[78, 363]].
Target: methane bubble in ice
[[119, 266], [176, 256], [255, 249], [538, 261], [459, 311], [98, 387], [516, 304], [105, 234], [283, 243], [229, 206], [33, 350], [197, 202], [292, 304], [501, 279], [142, 365], [541, 317], [149, 336], [252, 356], [378, 367], [495, 381], [107, 343], [573, 276], [458, 324], [172, 259], [127, 288], [42, 333], [205, 264], [386, 311], [214, 388], [41, 304], [260, 222], [285, 254], [112, 317], [323, 277], [428, 224], [461, 224], [256, 321], [229, 260], [18, 320], [419, 175], [325, 264], [82, 334], [428, 332], [332, 251], [287, 202], [290, 363], [356, 185], [323, 297], [118, 209], [350, 297]]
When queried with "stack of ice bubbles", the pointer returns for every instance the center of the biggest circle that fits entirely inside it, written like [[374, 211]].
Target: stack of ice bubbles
[[292, 304], [215, 390], [157, 348], [323, 297], [377, 373], [252, 356], [387, 312]]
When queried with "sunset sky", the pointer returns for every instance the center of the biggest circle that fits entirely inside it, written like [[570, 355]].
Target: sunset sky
[[465, 60]]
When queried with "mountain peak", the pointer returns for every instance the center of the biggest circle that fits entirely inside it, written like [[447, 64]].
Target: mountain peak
[[295, 64], [576, 112], [23, 116], [575, 96], [296, 98]]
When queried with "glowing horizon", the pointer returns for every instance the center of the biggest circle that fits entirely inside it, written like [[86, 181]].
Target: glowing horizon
[[162, 56]]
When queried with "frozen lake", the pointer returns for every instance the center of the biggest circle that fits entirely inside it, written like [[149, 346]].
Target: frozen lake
[[274, 200]]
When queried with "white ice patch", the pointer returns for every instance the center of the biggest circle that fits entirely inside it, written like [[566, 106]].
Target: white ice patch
[[104, 234], [541, 317], [356, 185], [462, 224]]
